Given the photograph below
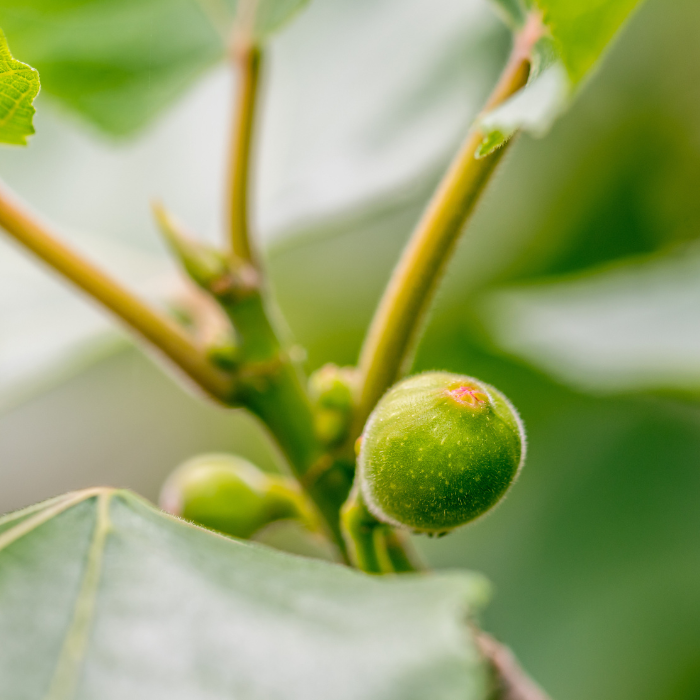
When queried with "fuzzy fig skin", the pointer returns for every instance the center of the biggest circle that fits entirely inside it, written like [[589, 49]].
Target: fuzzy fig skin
[[438, 451]]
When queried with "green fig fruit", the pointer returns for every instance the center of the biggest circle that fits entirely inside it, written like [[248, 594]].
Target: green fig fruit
[[331, 389], [439, 450], [229, 494]]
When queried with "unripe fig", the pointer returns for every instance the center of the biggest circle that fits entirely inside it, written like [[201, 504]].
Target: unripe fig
[[439, 450], [331, 389], [231, 495]]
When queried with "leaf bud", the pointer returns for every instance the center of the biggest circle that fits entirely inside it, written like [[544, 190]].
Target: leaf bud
[[438, 451], [227, 279]]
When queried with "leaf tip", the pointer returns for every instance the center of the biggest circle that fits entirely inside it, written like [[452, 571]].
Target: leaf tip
[[492, 141]]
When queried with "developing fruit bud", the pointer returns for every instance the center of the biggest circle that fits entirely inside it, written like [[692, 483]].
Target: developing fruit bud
[[439, 450], [231, 495], [331, 392]]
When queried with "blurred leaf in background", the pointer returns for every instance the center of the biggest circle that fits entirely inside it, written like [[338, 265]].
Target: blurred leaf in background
[[118, 63], [583, 29], [630, 326]]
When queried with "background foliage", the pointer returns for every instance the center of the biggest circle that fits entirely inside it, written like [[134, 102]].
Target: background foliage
[[574, 294]]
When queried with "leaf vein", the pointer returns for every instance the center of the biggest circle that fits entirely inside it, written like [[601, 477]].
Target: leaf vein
[[27, 526], [66, 675]]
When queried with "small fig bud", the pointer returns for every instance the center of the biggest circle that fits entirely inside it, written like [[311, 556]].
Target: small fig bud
[[439, 450], [331, 389], [229, 494]]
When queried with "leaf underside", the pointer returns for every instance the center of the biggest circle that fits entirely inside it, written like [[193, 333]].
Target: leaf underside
[[19, 85], [102, 596]]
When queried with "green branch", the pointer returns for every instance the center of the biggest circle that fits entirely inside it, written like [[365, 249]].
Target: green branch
[[373, 546], [387, 350], [267, 381], [247, 59], [157, 329], [271, 385], [365, 536]]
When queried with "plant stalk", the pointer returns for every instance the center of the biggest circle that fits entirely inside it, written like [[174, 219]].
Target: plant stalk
[[365, 536], [145, 322], [277, 394], [398, 320], [272, 387], [268, 382], [247, 58]]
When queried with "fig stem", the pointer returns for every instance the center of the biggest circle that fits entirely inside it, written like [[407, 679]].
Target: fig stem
[[400, 552], [272, 387], [363, 535], [374, 547], [398, 319], [247, 59], [144, 321]]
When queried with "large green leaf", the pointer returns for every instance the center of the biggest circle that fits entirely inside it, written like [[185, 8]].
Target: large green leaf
[[19, 85], [580, 31], [583, 29], [102, 596], [119, 62]]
